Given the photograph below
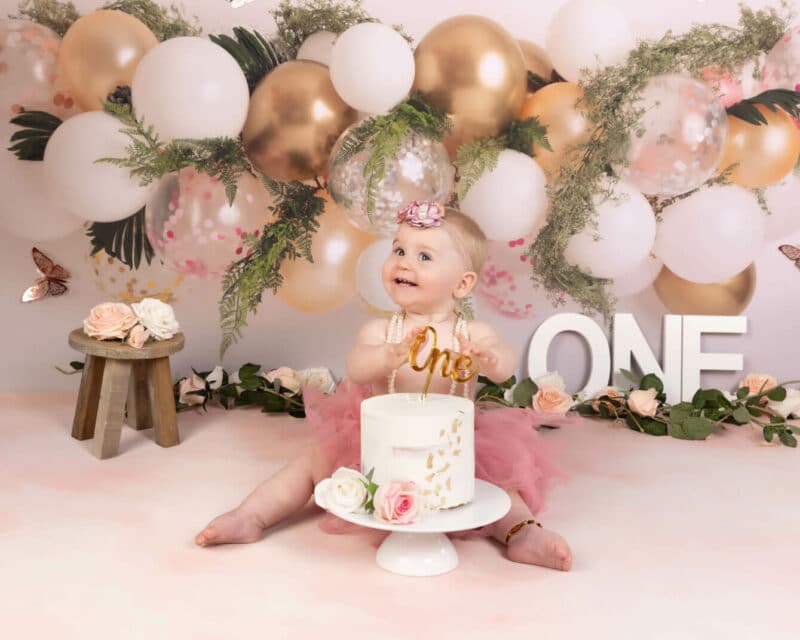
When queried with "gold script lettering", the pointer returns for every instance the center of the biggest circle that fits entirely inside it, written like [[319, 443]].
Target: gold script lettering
[[461, 371]]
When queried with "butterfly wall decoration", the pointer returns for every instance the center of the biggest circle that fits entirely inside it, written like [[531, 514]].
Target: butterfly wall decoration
[[52, 281], [792, 252]]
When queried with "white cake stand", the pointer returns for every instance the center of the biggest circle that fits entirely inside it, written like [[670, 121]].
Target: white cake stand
[[422, 549]]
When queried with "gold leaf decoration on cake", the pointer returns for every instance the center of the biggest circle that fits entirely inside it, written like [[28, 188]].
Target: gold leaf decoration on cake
[[448, 485], [457, 452], [429, 464]]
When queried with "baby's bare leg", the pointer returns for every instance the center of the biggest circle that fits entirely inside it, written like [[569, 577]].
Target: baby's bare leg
[[531, 545], [276, 498]]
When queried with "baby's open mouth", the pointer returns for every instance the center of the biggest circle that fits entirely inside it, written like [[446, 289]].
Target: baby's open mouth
[[404, 282]]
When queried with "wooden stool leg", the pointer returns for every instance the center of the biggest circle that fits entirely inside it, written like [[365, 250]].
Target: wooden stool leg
[[88, 398], [162, 402], [111, 409], [138, 407]]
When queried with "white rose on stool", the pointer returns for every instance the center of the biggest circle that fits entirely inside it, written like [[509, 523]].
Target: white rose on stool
[[157, 317]]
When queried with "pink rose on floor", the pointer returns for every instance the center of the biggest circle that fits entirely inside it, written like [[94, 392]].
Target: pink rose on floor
[[758, 383], [609, 392], [551, 399], [138, 336], [643, 402], [109, 321], [187, 385], [397, 502], [289, 378]]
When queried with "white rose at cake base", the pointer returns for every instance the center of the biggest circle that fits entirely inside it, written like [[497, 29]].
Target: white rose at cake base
[[194, 230], [680, 137], [421, 170], [120, 283]]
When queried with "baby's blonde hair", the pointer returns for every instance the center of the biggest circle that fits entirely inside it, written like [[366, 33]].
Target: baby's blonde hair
[[468, 236]]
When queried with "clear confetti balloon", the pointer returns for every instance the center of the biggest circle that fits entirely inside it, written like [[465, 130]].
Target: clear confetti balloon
[[194, 230], [29, 75], [680, 137], [120, 283], [421, 170], [505, 282]]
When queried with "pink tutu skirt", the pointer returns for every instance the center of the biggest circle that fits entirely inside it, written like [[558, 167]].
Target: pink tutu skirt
[[508, 449]]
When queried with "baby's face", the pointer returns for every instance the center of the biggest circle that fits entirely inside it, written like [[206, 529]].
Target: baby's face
[[424, 269]]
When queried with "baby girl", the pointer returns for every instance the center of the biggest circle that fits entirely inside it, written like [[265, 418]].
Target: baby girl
[[436, 257]]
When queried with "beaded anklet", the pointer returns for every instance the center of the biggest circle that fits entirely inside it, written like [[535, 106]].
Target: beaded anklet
[[518, 527]]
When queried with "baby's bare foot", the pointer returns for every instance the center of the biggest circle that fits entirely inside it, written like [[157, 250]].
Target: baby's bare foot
[[232, 527], [534, 545]]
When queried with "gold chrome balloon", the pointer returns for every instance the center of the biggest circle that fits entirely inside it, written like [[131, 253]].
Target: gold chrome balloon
[[536, 59], [762, 154], [99, 52], [727, 298], [555, 107], [294, 119], [472, 68]]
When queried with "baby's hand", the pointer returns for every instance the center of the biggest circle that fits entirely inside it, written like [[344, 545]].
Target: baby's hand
[[397, 354], [482, 356]]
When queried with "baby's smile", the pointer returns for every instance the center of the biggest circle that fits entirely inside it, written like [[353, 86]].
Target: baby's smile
[[405, 283]]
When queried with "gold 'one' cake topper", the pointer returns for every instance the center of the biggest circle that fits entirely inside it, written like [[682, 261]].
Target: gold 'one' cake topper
[[461, 371]]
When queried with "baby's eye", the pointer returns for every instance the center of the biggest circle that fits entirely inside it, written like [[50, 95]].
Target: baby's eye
[[424, 256], [398, 251]]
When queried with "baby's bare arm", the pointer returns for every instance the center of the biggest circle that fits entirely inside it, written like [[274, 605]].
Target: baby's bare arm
[[496, 359], [371, 359]]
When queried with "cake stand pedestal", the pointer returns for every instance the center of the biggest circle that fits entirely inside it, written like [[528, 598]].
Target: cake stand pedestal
[[422, 548]]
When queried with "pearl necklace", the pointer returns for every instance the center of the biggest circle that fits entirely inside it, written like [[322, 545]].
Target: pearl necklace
[[394, 335]]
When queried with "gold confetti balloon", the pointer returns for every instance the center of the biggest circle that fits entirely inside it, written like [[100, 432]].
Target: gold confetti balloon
[[119, 283]]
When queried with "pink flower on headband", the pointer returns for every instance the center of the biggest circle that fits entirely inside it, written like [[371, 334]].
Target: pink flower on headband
[[422, 215]]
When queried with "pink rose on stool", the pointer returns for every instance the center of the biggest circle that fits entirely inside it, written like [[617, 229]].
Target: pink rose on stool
[[397, 502], [109, 321]]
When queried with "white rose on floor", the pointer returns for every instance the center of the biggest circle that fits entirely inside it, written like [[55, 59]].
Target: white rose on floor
[[345, 491], [790, 404], [643, 402], [551, 379], [187, 385], [214, 379], [288, 377], [157, 317], [318, 378]]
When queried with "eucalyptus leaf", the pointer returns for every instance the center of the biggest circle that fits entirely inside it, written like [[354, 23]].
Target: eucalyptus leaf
[[651, 381], [523, 393], [741, 415], [778, 394]]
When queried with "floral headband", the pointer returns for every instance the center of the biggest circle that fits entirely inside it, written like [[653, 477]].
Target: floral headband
[[422, 214]]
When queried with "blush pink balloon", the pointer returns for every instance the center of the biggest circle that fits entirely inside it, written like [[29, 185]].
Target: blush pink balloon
[[727, 86]]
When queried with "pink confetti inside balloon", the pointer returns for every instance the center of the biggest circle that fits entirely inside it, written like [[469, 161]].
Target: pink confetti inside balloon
[[505, 282], [195, 231]]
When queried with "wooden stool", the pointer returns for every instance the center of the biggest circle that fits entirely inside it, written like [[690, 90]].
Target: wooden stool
[[115, 374]]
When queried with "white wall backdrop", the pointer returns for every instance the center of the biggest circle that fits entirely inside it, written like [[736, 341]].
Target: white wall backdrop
[[35, 334]]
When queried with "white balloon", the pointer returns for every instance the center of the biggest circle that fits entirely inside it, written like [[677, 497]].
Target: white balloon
[[368, 275], [588, 33], [28, 212], [317, 47], [509, 201], [372, 67], [636, 280], [711, 235], [93, 190], [190, 88], [624, 236], [782, 199]]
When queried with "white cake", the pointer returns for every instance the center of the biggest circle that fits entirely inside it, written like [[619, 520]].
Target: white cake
[[428, 440]]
